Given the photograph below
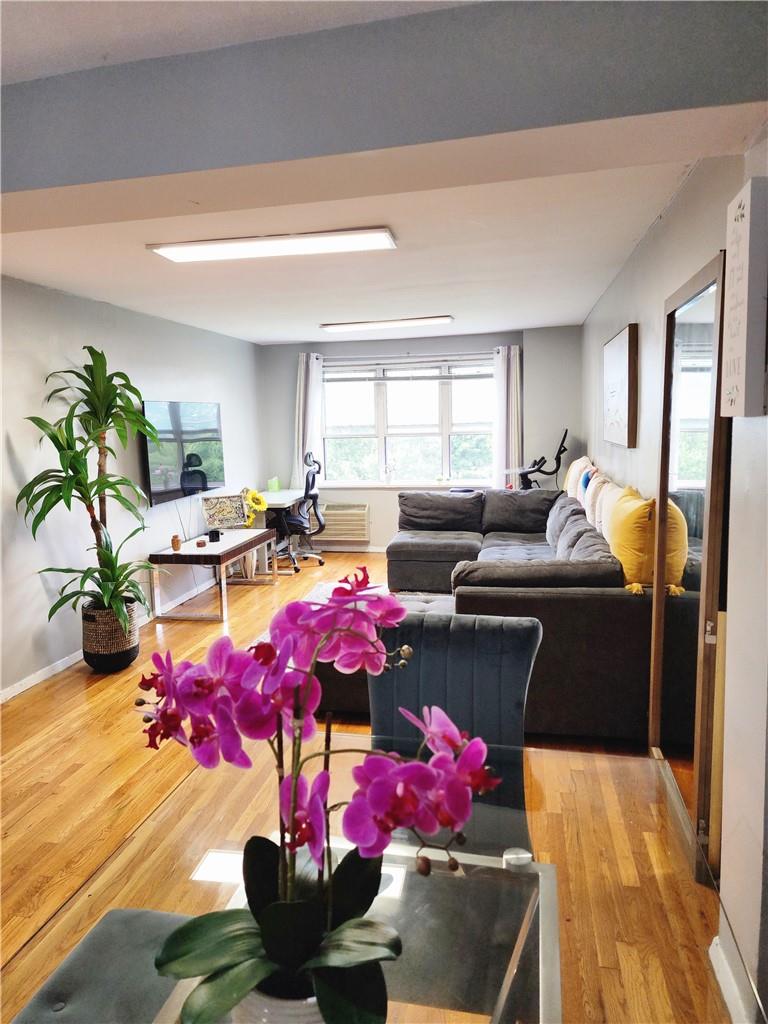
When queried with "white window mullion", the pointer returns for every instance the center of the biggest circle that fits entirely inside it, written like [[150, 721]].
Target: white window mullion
[[445, 425], [380, 401]]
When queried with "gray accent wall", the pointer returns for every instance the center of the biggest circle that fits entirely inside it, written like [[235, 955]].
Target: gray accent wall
[[474, 70], [683, 239], [44, 330]]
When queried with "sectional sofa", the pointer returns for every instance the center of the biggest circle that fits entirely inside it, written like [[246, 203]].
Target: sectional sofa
[[495, 537], [534, 553]]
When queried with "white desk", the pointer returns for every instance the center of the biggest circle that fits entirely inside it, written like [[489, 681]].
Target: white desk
[[234, 545], [279, 501], [283, 499]]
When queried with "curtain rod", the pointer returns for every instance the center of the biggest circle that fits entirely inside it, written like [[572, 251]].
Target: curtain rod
[[440, 357]]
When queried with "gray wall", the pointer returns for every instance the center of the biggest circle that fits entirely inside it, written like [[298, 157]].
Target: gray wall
[[683, 239], [44, 330], [552, 394], [458, 73], [687, 235], [551, 401]]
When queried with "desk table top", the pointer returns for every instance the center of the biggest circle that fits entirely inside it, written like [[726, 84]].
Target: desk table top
[[233, 543]]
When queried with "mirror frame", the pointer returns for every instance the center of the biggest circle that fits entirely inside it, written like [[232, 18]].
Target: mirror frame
[[707, 772]]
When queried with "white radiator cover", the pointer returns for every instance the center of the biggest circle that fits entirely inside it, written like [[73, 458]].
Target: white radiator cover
[[345, 523]]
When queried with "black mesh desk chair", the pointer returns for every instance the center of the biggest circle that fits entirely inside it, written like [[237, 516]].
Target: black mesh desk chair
[[297, 523]]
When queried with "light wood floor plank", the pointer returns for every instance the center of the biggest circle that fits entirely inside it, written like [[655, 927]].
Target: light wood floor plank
[[93, 821]]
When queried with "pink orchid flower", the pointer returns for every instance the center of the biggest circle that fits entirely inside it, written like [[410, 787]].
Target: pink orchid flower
[[308, 825], [212, 739], [441, 735], [391, 795], [224, 666]]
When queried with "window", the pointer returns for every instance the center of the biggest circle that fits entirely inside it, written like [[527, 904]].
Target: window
[[409, 421], [690, 415]]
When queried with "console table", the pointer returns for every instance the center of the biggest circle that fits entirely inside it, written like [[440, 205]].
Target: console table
[[234, 544]]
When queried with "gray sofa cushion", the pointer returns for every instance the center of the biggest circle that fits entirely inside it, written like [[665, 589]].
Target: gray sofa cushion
[[562, 511], [519, 547], [592, 547], [517, 511], [434, 510], [551, 574], [110, 974], [443, 604], [571, 532], [433, 546]]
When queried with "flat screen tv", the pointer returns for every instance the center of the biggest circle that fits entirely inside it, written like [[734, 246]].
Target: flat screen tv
[[190, 456]]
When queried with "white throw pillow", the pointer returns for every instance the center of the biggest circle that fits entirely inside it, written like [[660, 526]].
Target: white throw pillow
[[592, 495], [575, 470]]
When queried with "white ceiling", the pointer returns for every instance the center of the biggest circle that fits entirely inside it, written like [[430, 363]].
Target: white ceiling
[[42, 38], [500, 256]]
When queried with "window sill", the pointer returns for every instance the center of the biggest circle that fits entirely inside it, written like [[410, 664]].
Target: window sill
[[409, 485]]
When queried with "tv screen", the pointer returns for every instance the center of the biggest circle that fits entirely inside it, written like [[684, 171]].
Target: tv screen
[[190, 456]]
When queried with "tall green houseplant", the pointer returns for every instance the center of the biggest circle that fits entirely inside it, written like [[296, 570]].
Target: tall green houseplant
[[100, 404]]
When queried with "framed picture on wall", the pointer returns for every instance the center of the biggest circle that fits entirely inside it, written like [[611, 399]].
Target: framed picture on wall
[[620, 388]]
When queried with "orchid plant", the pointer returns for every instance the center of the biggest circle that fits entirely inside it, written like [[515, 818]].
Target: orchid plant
[[305, 934]]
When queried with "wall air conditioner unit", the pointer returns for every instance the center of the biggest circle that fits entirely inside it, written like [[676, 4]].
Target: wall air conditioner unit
[[347, 524]]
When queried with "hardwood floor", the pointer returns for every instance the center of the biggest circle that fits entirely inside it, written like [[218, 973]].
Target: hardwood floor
[[92, 820]]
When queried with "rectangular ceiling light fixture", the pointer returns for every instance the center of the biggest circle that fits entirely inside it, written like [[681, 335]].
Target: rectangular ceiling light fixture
[[311, 244], [384, 325]]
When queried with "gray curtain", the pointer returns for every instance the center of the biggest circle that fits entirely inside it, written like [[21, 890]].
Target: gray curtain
[[309, 397], [508, 431]]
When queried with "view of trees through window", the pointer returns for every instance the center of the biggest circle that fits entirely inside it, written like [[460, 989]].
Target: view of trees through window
[[409, 423]]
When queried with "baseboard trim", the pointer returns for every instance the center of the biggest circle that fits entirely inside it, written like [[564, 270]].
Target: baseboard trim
[[71, 659], [37, 677], [731, 987]]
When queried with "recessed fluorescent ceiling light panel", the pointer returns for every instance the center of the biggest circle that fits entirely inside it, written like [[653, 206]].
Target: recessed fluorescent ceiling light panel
[[313, 244], [383, 325]]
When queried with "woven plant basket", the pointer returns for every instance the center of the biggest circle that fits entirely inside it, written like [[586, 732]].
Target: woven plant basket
[[106, 648]]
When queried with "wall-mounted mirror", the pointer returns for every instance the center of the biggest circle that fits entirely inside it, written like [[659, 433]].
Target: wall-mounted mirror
[[686, 683]]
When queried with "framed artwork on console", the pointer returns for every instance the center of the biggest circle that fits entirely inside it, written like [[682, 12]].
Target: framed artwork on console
[[620, 388]]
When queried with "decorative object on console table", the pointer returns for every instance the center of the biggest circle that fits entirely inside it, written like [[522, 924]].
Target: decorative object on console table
[[620, 388], [176, 542], [99, 403], [226, 512], [304, 938]]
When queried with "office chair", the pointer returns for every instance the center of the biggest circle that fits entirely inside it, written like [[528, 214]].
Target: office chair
[[537, 467], [192, 480], [297, 524]]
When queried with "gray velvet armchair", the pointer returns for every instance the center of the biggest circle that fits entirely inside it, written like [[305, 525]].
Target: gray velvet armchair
[[477, 668]]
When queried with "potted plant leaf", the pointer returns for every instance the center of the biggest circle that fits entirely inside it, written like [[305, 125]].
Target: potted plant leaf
[[303, 950], [100, 403]]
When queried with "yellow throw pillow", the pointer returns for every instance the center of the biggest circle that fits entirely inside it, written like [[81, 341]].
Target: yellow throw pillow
[[631, 527], [606, 500], [677, 545]]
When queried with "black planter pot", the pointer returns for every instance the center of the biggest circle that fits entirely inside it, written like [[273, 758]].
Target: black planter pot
[[106, 648]]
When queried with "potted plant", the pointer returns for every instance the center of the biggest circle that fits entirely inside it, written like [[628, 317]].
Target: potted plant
[[100, 403], [302, 950]]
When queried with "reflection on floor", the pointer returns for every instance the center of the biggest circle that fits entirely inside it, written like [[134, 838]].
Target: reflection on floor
[[93, 821]]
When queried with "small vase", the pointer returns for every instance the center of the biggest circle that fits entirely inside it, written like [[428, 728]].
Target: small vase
[[258, 1008]]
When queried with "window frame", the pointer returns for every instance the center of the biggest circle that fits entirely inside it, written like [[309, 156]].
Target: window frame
[[445, 368]]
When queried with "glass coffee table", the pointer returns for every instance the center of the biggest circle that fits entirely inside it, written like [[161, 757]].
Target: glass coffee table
[[480, 944]]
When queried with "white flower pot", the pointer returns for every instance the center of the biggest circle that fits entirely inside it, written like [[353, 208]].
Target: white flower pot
[[258, 1008]]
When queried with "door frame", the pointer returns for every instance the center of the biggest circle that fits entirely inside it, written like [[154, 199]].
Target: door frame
[[713, 545]]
